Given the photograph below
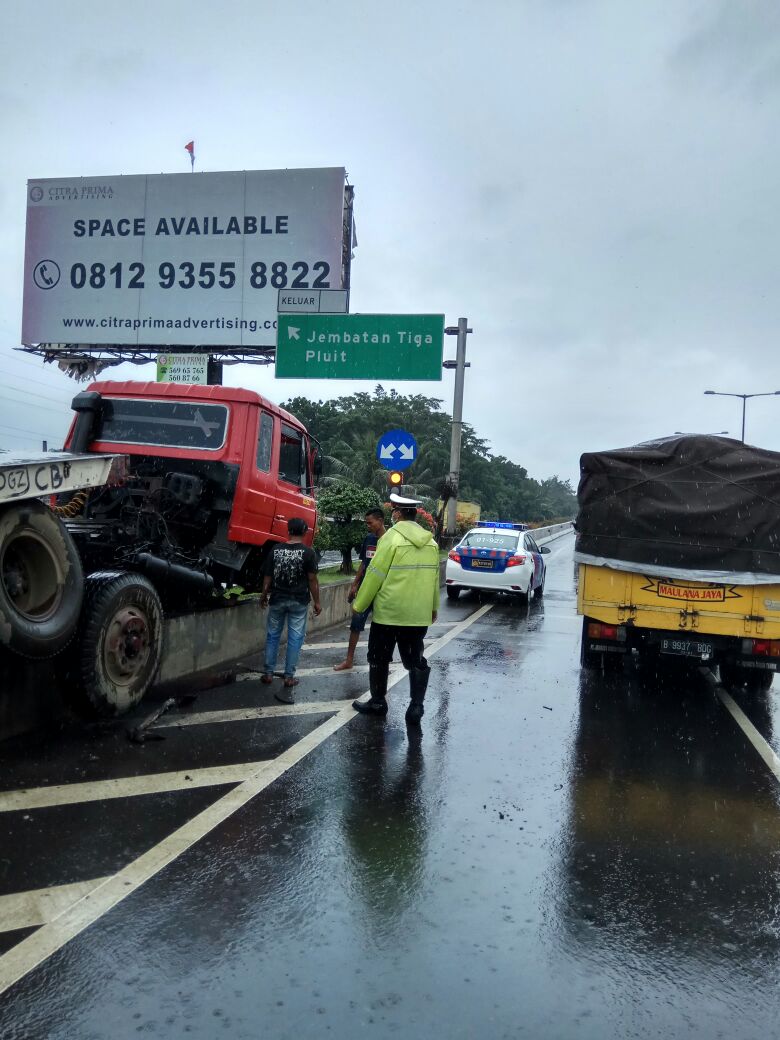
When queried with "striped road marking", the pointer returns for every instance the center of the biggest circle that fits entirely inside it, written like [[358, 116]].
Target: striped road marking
[[124, 787], [209, 718], [38, 906], [300, 673], [90, 907], [343, 645], [762, 747]]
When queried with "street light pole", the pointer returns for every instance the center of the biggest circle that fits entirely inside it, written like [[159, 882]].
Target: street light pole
[[744, 398], [457, 420]]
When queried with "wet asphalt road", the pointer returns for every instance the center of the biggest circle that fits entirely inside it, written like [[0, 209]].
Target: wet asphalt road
[[556, 856]]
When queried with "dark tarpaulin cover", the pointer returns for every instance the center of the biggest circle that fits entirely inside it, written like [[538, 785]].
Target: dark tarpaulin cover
[[697, 502]]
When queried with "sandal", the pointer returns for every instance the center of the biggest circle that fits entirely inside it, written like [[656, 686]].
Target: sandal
[[266, 678]]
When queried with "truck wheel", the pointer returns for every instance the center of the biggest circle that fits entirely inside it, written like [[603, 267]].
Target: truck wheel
[[41, 581], [120, 645], [732, 676]]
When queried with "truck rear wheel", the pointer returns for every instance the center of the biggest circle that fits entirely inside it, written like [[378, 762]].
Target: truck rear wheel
[[755, 680], [120, 645], [41, 581]]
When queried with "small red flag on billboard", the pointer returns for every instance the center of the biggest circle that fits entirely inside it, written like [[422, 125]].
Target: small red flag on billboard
[[191, 149]]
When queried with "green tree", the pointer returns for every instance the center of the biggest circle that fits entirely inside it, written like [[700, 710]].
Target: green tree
[[349, 428], [342, 507]]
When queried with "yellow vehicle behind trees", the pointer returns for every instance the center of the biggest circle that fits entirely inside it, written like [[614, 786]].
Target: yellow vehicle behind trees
[[678, 546]]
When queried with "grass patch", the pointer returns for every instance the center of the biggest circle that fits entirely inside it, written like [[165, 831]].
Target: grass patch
[[332, 575]]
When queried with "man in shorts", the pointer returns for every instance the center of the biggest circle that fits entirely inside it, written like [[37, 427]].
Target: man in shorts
[[375, 522]]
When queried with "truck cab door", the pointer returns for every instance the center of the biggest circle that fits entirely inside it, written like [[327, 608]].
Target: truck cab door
[[293, 495], [256, 499]]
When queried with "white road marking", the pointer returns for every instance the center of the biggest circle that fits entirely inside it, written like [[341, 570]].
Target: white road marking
[[301, 673], [50, 937], [124, 787], [331, 646], [207, 718], [343, 645], [759, 743], [38, 906]]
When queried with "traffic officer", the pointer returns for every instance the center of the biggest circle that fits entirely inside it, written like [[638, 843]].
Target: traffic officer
[[402, 585]]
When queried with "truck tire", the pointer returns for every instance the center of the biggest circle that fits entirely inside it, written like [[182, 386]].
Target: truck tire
[[41, 581], [120, 644], [732, 676]]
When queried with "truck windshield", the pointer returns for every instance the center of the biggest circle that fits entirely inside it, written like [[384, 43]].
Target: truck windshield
[[171, 424]]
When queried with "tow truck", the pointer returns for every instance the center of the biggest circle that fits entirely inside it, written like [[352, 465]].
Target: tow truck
[[164, 496]]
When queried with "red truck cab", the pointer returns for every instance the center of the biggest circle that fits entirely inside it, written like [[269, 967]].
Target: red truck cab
[[223, 467]]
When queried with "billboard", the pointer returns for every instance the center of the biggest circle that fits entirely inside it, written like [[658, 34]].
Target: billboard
[[188, 259], [182, 368]]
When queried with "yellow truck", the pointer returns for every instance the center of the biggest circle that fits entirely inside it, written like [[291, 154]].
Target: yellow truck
[[678, 552]]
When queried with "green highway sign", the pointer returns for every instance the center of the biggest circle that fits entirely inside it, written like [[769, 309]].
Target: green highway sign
[[359, 346]]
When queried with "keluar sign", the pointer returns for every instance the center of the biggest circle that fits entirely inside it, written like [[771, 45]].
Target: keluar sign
[[178, 259]]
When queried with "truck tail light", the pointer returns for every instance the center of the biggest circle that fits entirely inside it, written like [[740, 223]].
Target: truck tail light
[[598, 630], [455, 557], [515, 561], [764, 647]]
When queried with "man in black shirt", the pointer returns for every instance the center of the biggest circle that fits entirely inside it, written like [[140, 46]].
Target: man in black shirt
[[375, 522], [290, 576]]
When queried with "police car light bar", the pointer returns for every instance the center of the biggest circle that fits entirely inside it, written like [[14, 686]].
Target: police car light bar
[[510, 527]]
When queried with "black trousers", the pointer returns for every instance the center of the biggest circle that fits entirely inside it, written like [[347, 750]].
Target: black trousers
[[382, 640]]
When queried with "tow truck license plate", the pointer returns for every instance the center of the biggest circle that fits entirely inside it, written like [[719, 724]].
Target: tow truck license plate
[[487, 564], [686, 647]]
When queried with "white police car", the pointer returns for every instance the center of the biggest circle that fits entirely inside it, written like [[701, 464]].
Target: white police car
[[502, 557]]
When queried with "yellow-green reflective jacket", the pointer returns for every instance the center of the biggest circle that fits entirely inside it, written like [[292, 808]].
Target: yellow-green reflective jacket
[[402, 580]]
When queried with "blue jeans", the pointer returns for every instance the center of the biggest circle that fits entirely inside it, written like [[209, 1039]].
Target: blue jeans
[[297, 614]]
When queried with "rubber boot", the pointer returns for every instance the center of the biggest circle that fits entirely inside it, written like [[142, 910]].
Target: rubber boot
[[418, 684], [377, 683]]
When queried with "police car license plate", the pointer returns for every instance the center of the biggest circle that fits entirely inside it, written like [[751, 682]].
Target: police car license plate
[[487, 564], [686, 647]]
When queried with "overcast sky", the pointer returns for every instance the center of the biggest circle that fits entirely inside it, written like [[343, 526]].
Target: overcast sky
[[593, 183]]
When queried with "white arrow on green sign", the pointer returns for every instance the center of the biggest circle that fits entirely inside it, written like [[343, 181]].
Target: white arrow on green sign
[[359, 346]]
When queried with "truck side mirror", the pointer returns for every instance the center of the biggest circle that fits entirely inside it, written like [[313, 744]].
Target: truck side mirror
[[87, 406]]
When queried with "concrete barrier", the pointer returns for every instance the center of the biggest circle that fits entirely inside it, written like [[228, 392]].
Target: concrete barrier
[[547, 534], [224, 636]]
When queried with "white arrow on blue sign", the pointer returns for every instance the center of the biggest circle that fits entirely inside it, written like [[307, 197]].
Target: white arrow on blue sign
[[396, 449]]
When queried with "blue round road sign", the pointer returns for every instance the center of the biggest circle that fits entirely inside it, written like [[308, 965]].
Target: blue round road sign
[[396, 449]]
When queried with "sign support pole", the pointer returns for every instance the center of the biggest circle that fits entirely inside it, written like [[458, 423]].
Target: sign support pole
[[457, 421]]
